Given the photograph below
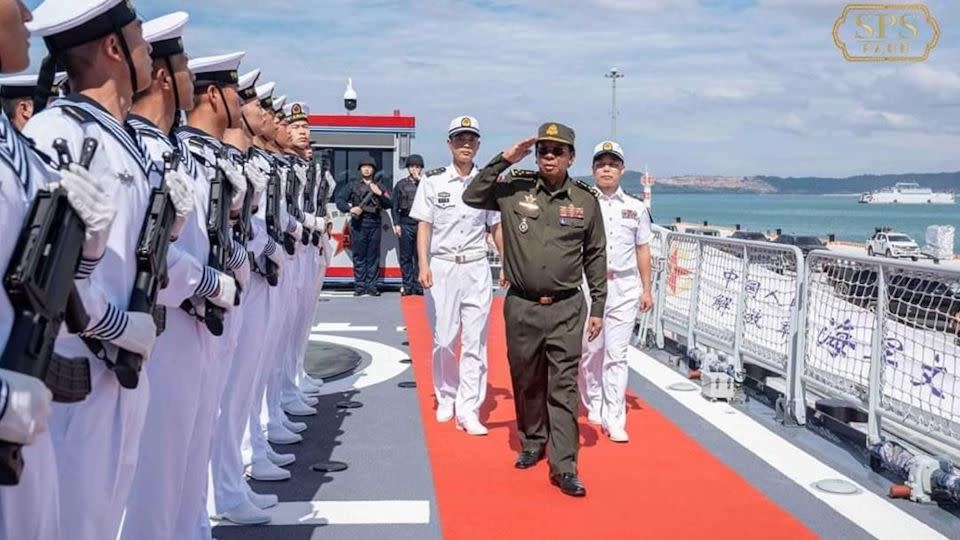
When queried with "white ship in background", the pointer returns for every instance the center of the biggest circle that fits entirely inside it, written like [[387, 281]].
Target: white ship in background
[[906, 193]]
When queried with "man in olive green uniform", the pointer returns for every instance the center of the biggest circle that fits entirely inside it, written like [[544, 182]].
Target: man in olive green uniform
[[552, 235]]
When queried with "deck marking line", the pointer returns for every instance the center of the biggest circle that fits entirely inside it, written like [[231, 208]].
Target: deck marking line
[[342, 327], [347, 513]]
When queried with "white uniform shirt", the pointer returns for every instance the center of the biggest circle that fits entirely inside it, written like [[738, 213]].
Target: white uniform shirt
[[457, 228], [121, 159], [22, 173], [627, 225]]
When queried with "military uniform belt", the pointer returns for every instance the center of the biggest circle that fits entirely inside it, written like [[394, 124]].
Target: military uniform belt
[[462, 259], [545, 299]]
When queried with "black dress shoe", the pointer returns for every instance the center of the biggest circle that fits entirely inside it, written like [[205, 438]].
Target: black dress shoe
[[405, 293], [358, 293], [569, 484], [527, 459], [374, 292]]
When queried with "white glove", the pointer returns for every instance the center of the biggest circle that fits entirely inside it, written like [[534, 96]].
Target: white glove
[[181, 195], [257, 177], [295, 229], [26, 409], [301, 172], [310, 221], [276, 256], [94, 204], [226, 292], [237, 180], [139, 335]]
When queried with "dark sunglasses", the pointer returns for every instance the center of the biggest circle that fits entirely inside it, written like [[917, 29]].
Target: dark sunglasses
[[557, 151]]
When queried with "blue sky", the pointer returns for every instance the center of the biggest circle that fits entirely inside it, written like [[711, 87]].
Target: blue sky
[[728, 87]]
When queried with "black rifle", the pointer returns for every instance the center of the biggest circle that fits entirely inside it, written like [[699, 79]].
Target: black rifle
[[242, 229], [151, 252], [293, 207], [40, 284], [272, 218], [309, 203], [218, 231]]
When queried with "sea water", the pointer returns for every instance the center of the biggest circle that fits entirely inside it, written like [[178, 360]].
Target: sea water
[[818, 215]]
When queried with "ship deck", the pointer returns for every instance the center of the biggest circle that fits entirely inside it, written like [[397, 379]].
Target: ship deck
[[693, 468]]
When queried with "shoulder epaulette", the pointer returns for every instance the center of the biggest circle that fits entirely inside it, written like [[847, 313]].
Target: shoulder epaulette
[[436, 171], [517, 174], [587, 187]]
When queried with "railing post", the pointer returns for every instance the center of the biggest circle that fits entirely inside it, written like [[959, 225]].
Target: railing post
[[695, 298], [796, 400], [661, 286], [876, 361], [741, 306]]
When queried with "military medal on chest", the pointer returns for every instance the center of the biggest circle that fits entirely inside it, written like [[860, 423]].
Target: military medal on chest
[[125, 177], [523, 226]]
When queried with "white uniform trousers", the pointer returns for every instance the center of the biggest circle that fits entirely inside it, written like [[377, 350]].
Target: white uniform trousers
[[175, 369], [254, 445], [226, 464], [31, 509], [312, 283], [97, 443], [458, 305], [603, 365], [193, 501], [284, 311], [301, 321]]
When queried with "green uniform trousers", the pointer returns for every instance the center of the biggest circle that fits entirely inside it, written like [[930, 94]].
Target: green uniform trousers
[[543, 347]]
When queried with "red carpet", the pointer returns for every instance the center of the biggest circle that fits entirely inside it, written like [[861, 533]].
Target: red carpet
[[660, 485]]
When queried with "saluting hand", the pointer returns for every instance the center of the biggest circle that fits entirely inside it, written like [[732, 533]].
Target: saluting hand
[[594, 327], [522, 149]]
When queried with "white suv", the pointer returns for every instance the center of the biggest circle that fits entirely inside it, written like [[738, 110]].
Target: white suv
[[893, 244]]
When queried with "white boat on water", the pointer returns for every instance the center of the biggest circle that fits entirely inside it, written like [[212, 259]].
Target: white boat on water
[[907, 193]]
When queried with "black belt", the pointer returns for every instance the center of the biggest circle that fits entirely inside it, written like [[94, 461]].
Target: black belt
[[544, 299]]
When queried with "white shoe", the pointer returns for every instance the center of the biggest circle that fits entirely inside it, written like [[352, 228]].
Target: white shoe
[[309, 401], [307, 388], [246, 513], [263, 500], [298, 408], [313, 380], [265, 471], [280, 460], [295, 427], [618, 435], [472, 427], [444, 413], [282, 435], [594, 418]]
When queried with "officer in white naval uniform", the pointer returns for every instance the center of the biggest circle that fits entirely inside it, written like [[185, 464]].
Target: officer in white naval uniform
[[24, 400], [185, 345], [264, 464], [452, 249], [603, 365], [97, 440], [232, 497], [17, 93]]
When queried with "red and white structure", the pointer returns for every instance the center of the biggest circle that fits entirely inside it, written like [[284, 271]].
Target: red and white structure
[[647, 182], [343, 139]]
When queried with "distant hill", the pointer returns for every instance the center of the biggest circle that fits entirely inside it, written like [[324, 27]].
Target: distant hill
[[803, 185]]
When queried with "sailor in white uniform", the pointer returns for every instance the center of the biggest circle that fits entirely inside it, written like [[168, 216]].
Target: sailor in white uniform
[[452, 248], [17, 94], [184, 347], [603, 366], [24, 400], [97, 440], [264, 463], [232, 497], [216, 109]]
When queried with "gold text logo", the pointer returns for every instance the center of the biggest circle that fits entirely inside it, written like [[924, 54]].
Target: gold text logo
[[886, 32]]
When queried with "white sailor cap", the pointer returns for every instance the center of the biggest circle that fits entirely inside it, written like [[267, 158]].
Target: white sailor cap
[[278, 106], [608, 147], [246, 87], [64, 24], [265, 94], [165, 34], [296, 112], [461, 124], [23, 86], [220, 70]]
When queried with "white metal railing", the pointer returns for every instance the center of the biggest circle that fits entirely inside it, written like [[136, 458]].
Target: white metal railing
[[882, 334]]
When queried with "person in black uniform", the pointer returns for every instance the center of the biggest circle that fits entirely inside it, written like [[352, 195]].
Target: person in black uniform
[[405, 226], [364, 199]]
